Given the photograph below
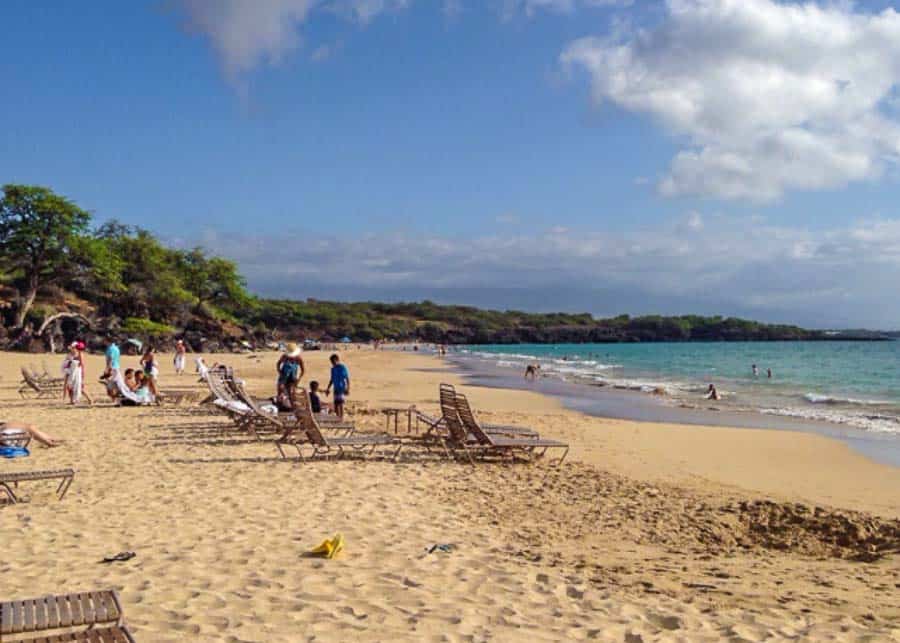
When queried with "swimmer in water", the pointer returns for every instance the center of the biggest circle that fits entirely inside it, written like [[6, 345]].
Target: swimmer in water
[[755, 371], [712, 393], [531, 371], [769, 373]]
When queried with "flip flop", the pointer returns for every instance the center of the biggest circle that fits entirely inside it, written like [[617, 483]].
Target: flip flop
[[120, 557], [330, 547]]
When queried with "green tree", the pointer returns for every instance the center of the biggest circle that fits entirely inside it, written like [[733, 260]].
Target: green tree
[[37, 229], [212, 280]]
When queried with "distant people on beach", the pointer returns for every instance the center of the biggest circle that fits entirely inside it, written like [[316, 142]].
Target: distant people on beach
[[73, 371], [150, 371], [290, 369], [712, 393], [531, 371], [111, 374], [180, 356], [755, 370], [340, 382], [769, 373]]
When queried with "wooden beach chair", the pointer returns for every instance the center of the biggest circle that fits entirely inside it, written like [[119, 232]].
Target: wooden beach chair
[[505, 445], [91, 617], [308, 432], [439, 424], [9, 481], [42, 388]]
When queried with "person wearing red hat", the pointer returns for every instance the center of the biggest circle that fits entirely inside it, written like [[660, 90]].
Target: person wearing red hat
[[79, 347]]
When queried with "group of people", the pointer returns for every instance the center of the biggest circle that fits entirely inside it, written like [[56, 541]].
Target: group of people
[[291, 369], [134, 386], [755, 371]]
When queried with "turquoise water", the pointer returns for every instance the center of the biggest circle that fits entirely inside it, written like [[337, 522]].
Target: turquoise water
[[853, 383]]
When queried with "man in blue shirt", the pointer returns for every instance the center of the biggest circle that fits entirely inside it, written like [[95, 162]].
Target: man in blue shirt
[[112, 369], [340, 380]]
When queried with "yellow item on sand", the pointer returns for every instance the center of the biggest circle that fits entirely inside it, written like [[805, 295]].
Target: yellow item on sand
[[330, 547]]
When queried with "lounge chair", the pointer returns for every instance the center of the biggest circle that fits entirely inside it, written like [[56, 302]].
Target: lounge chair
[[10, 480], [504, 445], [63, 618], [308, 432], [43, 388], [438, 424]]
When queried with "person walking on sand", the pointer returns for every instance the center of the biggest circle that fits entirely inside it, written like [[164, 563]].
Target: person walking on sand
[[340, 380], [72, 372], [79, 351], [111, 373], [180, 351]]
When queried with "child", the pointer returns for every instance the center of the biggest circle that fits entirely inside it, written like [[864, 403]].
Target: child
[[314, 401], [143, 387], [129, 379], [340, 380]]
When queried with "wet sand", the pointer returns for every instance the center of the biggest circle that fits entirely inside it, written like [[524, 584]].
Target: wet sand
[[649, 531]]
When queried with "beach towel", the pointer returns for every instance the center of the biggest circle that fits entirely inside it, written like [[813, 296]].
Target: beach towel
[[72, 368], [202, 369]]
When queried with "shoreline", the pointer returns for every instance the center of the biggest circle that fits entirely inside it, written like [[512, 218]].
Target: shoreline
[[618, 404]]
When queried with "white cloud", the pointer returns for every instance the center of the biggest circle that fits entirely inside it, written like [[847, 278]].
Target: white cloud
[[530, 8], [698, 263], [768, 96], [249, 33]]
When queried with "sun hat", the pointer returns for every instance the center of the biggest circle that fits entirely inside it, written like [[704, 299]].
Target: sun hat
[[292, 350]]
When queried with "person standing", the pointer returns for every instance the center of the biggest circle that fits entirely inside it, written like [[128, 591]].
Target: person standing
[[340, 380], [71, 369], [290, 369], [180, 351], [111, 374], [79, 350]]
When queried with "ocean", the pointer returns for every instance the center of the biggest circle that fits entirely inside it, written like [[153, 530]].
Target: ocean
[[849, 384]]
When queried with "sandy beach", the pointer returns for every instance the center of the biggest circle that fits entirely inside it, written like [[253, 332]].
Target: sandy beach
[[647, 532]]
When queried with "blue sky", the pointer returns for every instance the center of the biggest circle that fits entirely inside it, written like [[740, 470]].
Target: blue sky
[[608, 156]]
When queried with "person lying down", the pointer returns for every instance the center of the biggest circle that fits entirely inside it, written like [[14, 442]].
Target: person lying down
[[8, 431]]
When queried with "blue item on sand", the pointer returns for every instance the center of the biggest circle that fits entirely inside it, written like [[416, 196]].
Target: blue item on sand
[[14, 452]]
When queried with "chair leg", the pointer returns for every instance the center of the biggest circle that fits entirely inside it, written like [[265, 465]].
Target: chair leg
[[9, 493], [63, 486]]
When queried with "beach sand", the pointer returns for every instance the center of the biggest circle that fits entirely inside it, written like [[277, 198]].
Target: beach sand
[[647, 532]]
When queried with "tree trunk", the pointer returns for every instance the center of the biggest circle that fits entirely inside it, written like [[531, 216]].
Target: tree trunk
[[25, 303]]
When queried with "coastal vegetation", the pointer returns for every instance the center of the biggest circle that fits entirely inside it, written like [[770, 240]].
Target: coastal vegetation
[[61, 277]]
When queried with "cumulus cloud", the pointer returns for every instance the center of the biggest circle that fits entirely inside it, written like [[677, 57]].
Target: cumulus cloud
[[708, 263], [249, 33], [768, 96]]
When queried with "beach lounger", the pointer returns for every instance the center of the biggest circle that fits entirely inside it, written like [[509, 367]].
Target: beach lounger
[[43, 388], [437, 424], [94, 617], [308, 432], [504, 445], [9, 481]]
